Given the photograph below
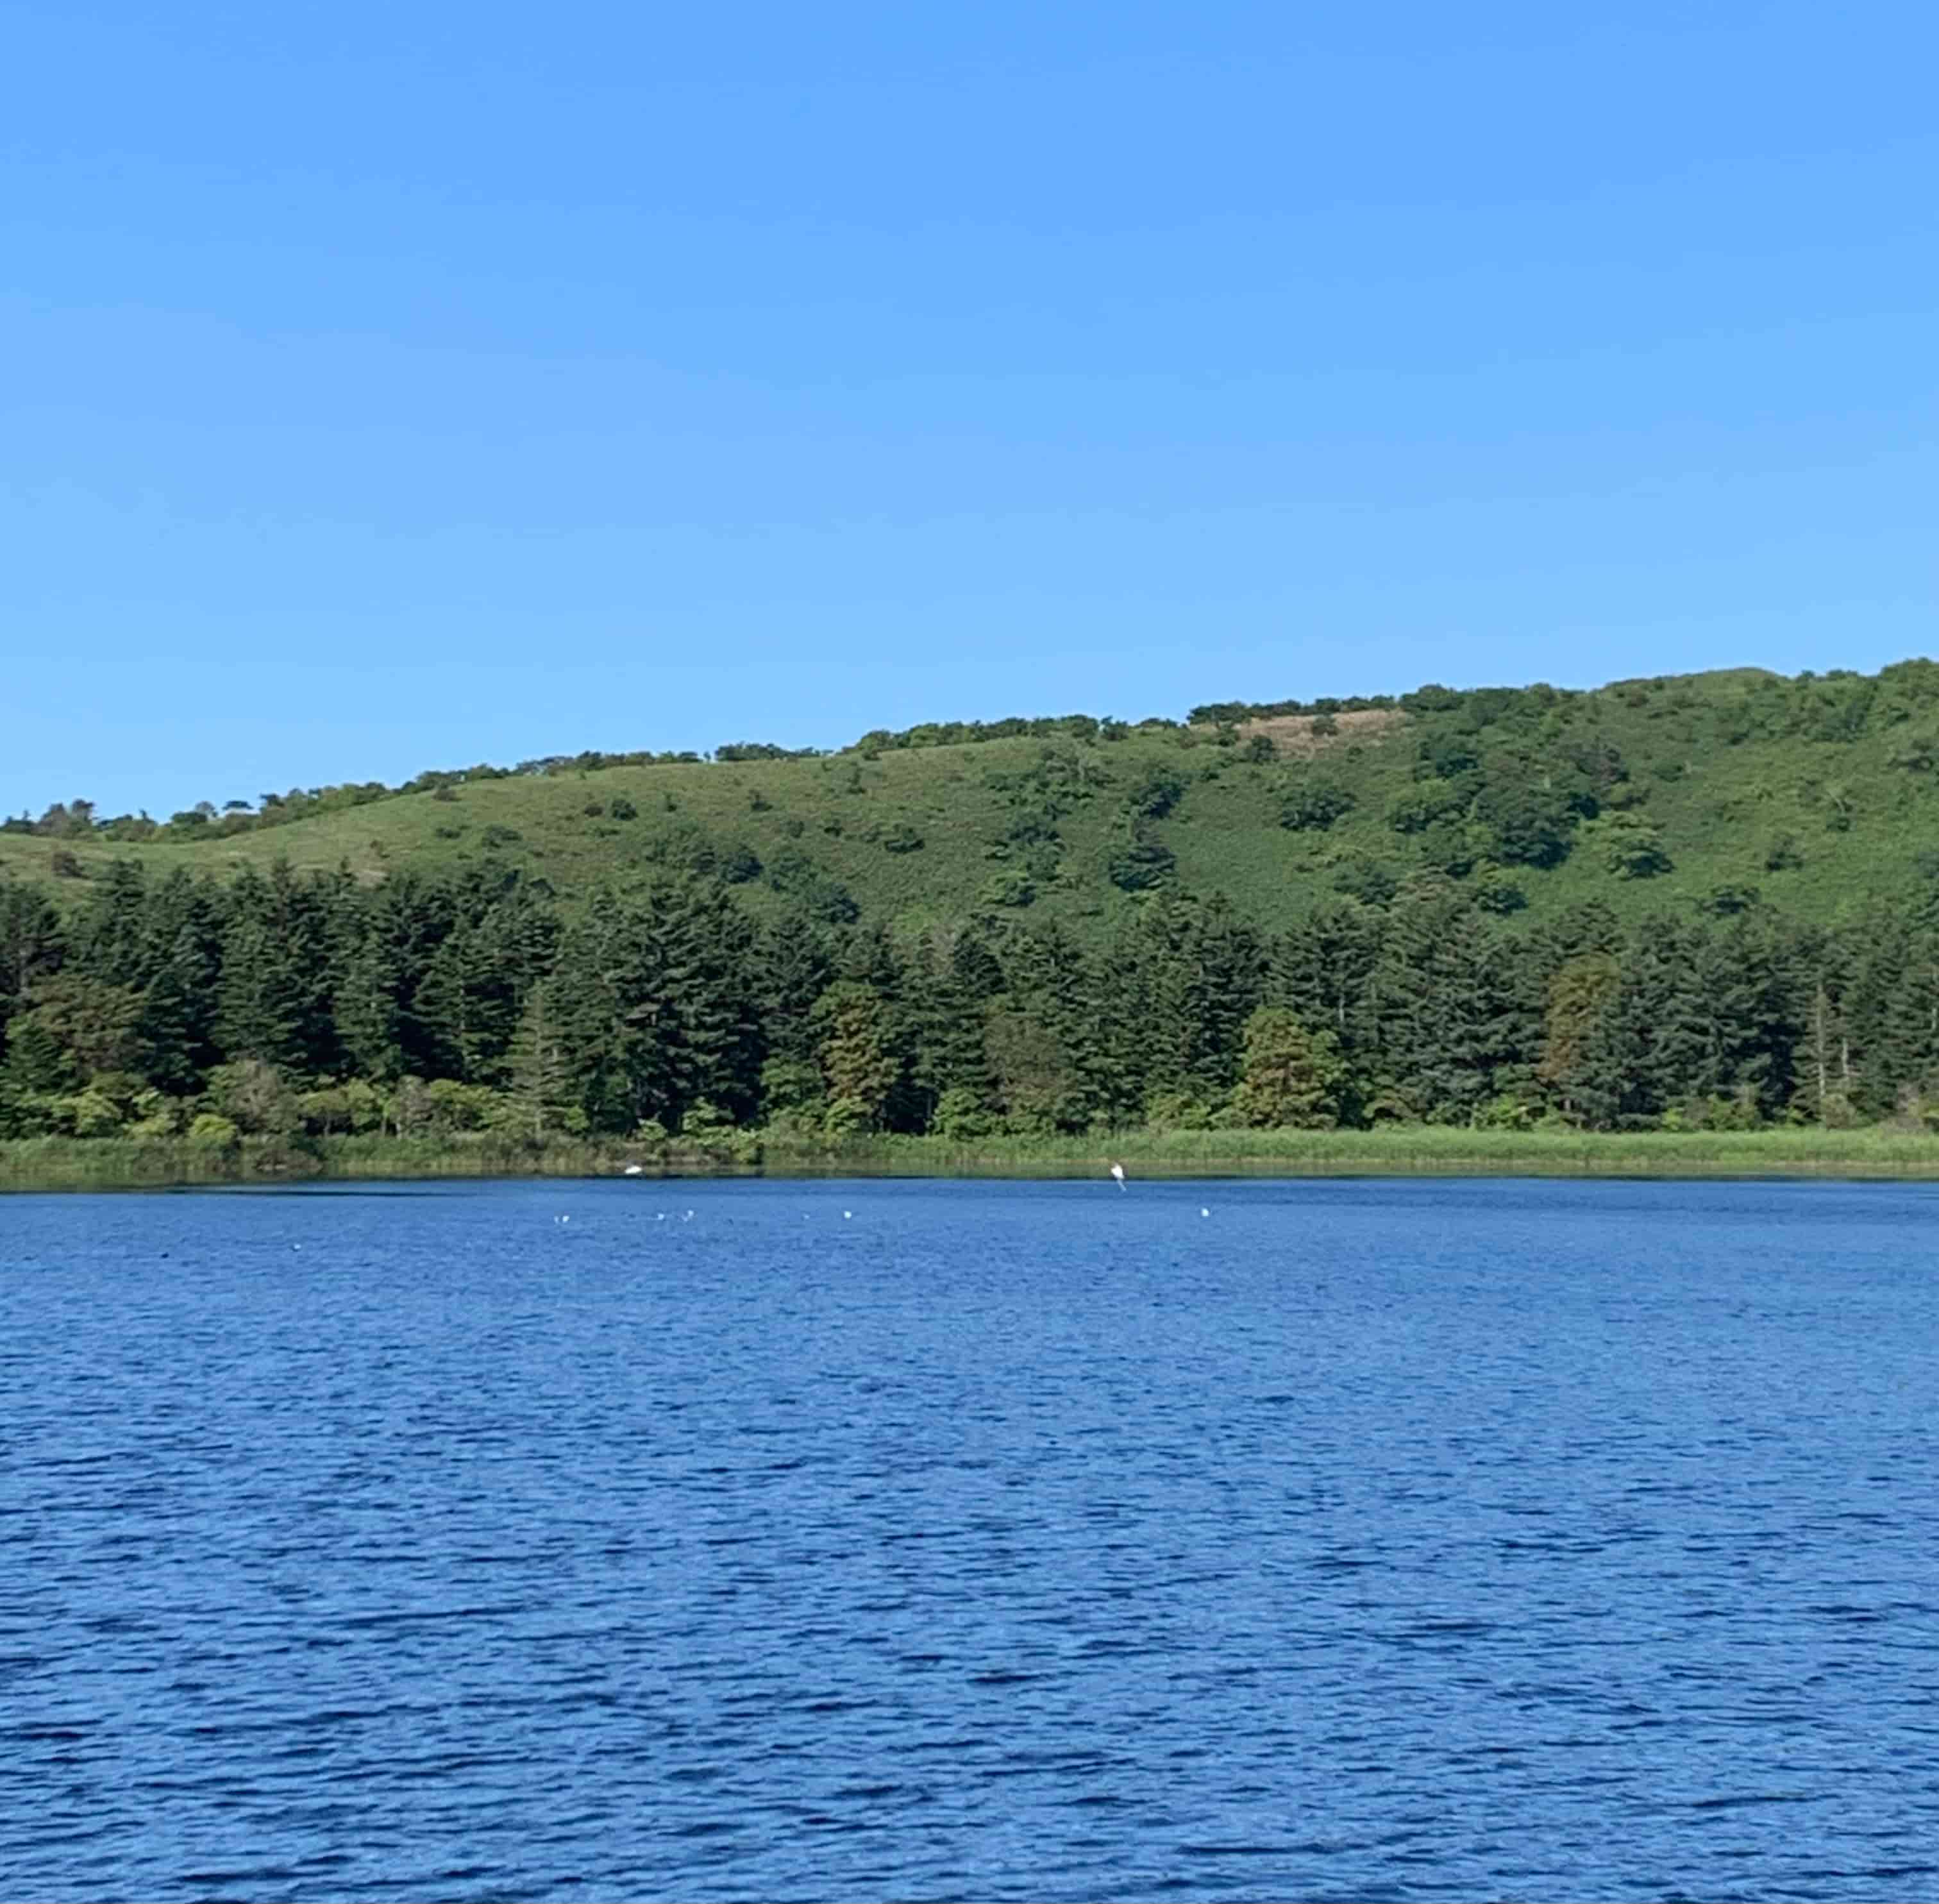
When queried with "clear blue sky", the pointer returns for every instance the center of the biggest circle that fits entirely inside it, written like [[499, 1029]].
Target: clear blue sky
[[391, 386]]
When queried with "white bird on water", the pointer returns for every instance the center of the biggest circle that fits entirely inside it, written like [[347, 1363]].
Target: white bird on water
[[632, 1170], [1118, 1174]]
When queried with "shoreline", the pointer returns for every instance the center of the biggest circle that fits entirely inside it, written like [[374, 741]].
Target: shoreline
[[33, 1165]]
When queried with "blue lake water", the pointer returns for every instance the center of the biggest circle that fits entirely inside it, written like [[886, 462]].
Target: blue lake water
[[971, 1540]]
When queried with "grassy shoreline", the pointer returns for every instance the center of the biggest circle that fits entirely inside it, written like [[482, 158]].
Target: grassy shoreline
[[41, 1164]]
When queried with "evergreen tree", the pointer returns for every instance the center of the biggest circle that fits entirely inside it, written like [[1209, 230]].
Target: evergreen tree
[[658, 1009], [112, 940], [1197, 970], [1052, 1063], [178, 1009], [946, 994], [541, 1070], [1828, 1083], [1322, 971], [33, 944], [393, 938], [1657, 1042], [1457, 1026], [1756, 1013], [276, 959], [504, 937]]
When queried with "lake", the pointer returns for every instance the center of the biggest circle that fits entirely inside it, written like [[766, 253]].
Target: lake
[[802, 1540]]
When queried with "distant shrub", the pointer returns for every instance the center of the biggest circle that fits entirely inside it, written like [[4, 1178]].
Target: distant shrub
[[1419, 806], [1497, 892], [1453, 847], [1446, 756], [902, 838], [687, 848], [498, 836], [1368, 881], [960, 1112], [1633, 848], [1155, 792], [790, 872], [1142, 864], [61, 863], [620, 808], [1312, 804], [1177, 1111], [1782, 855], [1010, 888], [1531, 825]]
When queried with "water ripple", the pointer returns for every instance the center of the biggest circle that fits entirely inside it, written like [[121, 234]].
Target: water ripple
[[1418, 1540]]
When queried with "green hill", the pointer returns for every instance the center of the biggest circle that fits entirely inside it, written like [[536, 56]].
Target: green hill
[[1817, 794], [1709, 902]]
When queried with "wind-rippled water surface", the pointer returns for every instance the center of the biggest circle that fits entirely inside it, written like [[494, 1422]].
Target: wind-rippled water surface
[[933, 1540]]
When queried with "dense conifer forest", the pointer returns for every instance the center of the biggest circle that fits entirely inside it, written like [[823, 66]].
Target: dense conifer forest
[[1708, 902]]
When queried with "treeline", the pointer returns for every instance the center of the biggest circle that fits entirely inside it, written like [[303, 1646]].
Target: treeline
[[1839, 705], [278, 1005], [1708, 711], [78, 819]]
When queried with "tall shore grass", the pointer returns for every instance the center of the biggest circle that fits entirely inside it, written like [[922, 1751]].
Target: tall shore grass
[[111, 1163]]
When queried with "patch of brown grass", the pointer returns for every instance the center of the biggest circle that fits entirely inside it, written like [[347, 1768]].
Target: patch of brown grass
[[1292, 735]]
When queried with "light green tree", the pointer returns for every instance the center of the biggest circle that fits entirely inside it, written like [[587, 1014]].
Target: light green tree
[[1290, 1077], [857, 1061]]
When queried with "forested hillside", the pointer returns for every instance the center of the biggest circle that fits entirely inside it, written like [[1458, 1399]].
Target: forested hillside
[[1712, 899]]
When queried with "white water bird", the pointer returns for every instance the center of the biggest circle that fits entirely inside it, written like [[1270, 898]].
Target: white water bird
[[631, 1170], [848, 1215], [1203, 1211], [1118, 1174]]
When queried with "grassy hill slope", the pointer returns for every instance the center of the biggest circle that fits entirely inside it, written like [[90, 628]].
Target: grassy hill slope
[[1820, 794]]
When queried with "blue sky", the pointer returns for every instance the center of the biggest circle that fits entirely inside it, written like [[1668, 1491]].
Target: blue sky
[[401, 386]]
